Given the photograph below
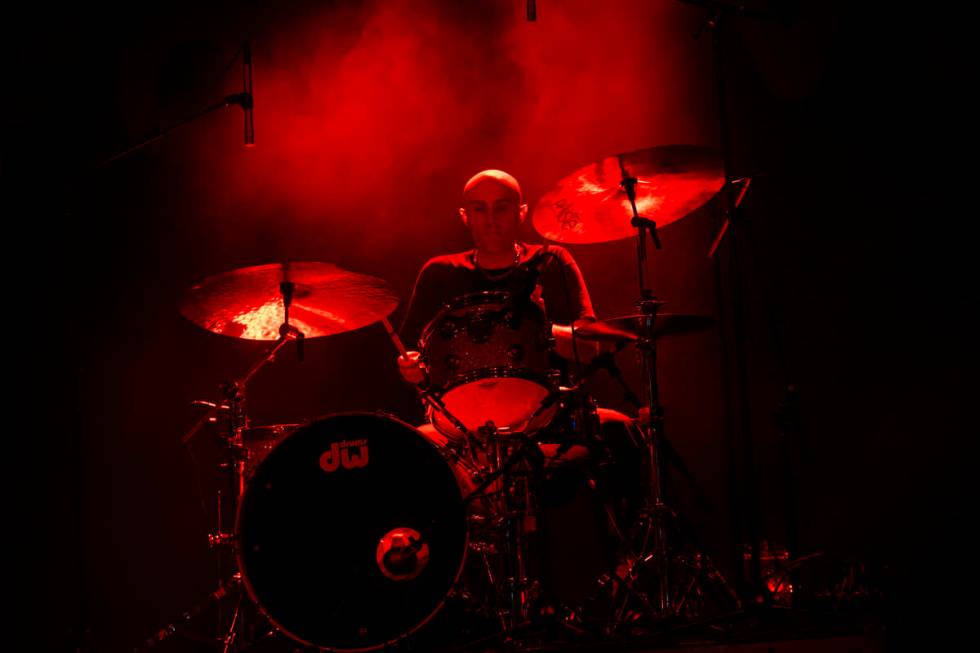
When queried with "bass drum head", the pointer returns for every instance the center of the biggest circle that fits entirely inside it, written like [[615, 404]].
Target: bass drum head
[[315, 519]]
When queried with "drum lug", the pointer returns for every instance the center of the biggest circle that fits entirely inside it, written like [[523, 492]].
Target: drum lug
[[448, 329], [480, 332], [452, 363]]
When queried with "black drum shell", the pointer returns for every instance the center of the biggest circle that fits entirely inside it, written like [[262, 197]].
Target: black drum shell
[[307, 537]]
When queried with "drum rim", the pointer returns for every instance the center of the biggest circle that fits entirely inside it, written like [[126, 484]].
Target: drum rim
[[523, 373], [247, 584]]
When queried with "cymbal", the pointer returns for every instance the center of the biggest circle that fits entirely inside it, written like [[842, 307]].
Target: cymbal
[[629, 328], [589, 206], [247, 302]]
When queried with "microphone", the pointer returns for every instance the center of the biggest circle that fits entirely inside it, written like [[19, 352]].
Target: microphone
[[247, 94], [532, 10]]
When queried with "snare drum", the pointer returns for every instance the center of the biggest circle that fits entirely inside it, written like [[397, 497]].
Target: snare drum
[[488, 359]]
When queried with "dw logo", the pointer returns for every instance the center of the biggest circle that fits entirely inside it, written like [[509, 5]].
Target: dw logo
[[349, 454]]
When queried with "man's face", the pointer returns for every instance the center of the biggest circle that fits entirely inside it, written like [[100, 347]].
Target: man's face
[[493, 212]]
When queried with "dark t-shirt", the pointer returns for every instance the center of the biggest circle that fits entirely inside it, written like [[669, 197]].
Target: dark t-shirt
[[445, 278]]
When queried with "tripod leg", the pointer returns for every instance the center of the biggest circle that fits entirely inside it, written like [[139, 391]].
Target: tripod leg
[[229, 639], [176, 627]]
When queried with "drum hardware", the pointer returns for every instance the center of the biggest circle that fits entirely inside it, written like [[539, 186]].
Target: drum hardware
[[237, 461], [230, 414], [514, 460], [511, 456], [655, 550], [226, 588]]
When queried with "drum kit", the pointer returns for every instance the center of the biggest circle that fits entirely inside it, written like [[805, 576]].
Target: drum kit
[[360, 532]]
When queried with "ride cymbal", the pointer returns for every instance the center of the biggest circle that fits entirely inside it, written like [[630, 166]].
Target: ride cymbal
[[590, 206]]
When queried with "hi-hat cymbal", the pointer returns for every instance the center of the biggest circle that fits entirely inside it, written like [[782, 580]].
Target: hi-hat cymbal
[[630, 328], [248, 303], [589, 206]]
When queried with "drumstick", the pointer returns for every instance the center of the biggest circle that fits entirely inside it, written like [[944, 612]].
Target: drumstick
[[394, 337], [427, 397]]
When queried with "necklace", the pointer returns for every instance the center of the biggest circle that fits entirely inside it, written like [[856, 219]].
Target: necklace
[[499, 275]]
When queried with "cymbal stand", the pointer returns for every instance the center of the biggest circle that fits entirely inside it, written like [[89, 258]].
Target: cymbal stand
[[513, 458], [178, 627], [656, 521], [233, 405], [654, 513], [513, 461]]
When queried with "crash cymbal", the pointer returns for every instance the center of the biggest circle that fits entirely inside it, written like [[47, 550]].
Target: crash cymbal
[[247, 302], [629, 328], [589, 206]]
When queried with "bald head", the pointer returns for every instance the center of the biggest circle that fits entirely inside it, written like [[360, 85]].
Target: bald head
[[496, 176], [493, 210]]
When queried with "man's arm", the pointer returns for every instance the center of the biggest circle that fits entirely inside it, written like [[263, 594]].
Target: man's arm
[[420, 308], [570, 297]]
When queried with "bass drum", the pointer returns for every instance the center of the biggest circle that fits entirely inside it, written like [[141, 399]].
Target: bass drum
[[352, 532]]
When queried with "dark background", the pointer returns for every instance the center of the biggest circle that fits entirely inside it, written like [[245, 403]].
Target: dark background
[[855, 243]]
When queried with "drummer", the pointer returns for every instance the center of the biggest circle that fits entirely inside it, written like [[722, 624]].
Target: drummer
[[493, 209]]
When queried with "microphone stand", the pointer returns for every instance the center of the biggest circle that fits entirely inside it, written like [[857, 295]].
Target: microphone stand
[[240, 99], [243, 99]]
